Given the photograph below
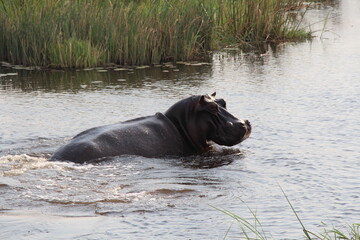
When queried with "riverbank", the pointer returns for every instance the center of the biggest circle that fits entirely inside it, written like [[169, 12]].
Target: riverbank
[[79, 34]]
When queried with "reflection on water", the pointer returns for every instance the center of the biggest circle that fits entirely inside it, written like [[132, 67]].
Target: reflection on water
[[301, 98], [97, 79], [215, 158]]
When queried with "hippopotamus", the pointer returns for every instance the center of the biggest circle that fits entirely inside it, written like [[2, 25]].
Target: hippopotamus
[[188, 127]]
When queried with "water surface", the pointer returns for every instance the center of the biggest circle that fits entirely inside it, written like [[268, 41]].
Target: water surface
[[303, 100]]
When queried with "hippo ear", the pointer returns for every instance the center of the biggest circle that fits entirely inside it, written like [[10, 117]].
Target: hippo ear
[[205, 99], [202, 99], [214, 94]]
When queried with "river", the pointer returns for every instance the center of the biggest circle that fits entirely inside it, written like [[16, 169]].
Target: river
[[303, 101]]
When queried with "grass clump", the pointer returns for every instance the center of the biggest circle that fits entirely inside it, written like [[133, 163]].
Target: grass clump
[[255, 231], [336, 234], [86, 33]]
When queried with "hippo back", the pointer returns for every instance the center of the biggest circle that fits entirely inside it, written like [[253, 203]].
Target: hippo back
[[147, 136]]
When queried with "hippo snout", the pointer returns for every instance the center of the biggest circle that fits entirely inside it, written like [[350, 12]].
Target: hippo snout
[[248, 125], [247, 130]]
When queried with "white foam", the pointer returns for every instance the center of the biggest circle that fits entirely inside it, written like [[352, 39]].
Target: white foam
[[14, 165]]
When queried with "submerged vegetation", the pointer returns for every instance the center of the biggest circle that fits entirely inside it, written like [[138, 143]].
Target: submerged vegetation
[[85, 33]]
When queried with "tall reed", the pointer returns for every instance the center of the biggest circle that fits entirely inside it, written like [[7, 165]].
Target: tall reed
[[259, 21], [84, 33]]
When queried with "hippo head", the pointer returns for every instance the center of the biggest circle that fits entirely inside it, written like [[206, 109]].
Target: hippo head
[[202, 119]]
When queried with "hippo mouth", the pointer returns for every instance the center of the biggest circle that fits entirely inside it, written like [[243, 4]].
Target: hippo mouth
[[247, 126]]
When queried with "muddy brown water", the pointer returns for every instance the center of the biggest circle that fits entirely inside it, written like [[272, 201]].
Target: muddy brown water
[[303, 100]]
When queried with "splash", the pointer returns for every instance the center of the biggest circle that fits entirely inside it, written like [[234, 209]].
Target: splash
[[15, 165]]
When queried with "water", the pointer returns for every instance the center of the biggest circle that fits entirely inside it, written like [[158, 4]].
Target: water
[[303, 100]]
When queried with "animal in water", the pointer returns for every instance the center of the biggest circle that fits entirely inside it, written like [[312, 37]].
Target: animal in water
[[188, 127]]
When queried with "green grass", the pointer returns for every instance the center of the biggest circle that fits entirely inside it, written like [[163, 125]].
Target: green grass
[[86, 33], [249, 230], [254, 230]]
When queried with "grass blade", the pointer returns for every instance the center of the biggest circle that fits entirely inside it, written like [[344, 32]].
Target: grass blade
[[302, 225]]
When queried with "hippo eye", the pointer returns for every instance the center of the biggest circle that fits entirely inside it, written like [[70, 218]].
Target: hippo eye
[[221, 102]]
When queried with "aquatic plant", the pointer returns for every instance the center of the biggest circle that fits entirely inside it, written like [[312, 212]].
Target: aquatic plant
[[85, 33]]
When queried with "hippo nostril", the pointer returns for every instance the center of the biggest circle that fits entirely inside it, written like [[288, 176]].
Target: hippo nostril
[[247, 122]]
